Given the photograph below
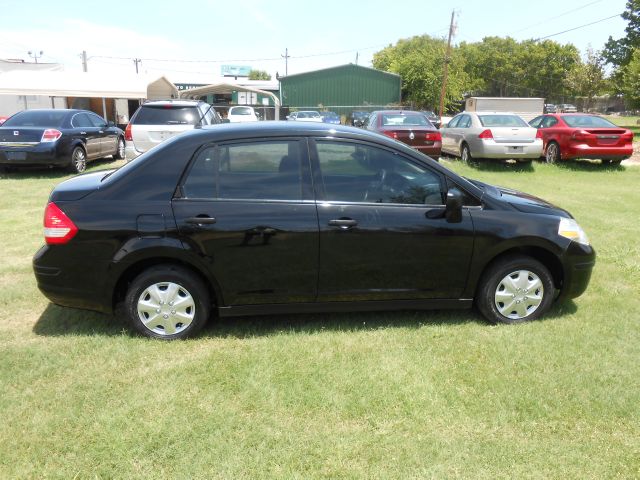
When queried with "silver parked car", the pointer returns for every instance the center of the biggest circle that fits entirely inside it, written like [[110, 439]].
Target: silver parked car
[[490, 135], [158, 120]]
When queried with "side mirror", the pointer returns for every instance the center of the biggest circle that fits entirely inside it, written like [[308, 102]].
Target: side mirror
[[453, 207]]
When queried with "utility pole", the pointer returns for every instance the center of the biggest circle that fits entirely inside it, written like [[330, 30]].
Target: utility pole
[[35, 55], [447, 59], [137, 61], [286, 61], [357, 58], [84, 60]]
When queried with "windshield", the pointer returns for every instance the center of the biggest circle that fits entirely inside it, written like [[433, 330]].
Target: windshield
[[587, 121], [166, 115], [502, 121], [241, 111], [36, 118], [402, 119]]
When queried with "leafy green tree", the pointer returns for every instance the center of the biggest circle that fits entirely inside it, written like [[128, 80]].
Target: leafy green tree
[[259, 75], [587, 79], [630, 80], [619, 52], [420, 62]]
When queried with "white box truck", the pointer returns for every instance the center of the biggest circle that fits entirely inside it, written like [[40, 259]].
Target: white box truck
[[527, 108]]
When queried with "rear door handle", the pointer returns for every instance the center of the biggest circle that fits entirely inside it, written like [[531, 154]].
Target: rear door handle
[[344, 223], [201, 220]]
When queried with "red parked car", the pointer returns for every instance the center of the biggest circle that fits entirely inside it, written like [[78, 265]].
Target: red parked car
[[412, 128], [579, 135]]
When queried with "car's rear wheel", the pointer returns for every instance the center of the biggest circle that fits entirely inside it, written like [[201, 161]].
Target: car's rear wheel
[[612, 162], [552, 155], [167, 302], [515, 289], [465, 154], [119, 155], [78, 162]]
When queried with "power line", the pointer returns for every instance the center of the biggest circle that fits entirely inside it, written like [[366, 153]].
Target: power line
[[557, 16], [576, 28]]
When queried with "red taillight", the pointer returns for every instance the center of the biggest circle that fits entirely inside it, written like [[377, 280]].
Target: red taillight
[[127, 133], [538, 134], [58, 228], [628, 136], [433, 137], [579, 135], [393, 135], [486, 134], [50, 135]]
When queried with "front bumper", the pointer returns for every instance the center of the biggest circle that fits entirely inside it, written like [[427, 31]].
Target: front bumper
[[578, 262], [130, 151]]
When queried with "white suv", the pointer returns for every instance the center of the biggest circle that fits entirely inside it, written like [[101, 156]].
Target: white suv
[[242, 114], [158, 120]]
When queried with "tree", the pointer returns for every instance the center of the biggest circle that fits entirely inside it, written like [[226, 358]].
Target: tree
[[420, 62], [619, 52], [587, 78], [630, 80], [259, 75]]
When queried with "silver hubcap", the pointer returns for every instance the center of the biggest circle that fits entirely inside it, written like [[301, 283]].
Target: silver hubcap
[[120, 148], [552, 152], [166, 308], [465, 154], [519, 294], [79, 160]]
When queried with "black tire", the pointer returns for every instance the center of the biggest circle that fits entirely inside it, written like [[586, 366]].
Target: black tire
[[613, 163], [78, 161], [525, 285], [465, 154], [120, 149], [178, 309], [552, 153]]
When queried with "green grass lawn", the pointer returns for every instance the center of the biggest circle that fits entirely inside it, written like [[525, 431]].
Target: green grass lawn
[[395, 395]]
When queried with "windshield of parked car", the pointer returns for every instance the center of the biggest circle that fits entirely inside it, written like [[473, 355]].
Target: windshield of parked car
[[580, 121], [402, 119], [241, 111], [167, 115], [502, 121], [35, 118]]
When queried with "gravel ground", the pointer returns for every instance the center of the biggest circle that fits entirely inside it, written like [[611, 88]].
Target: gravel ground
[[635, 158]]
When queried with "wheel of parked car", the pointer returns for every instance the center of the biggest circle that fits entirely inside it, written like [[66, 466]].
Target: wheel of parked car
[[552, 155], [612, 162], [466, 154], [119, 155], [515, 289], [167, 302], [78, 160]]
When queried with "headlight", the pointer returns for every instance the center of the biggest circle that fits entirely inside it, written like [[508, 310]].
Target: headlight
[[570, 229]]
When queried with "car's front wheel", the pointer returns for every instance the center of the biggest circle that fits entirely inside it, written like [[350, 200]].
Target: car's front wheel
[[515, 289], [167, 302], [552, 155]]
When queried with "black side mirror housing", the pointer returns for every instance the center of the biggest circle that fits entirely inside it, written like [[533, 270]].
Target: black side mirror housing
[[453, 207]]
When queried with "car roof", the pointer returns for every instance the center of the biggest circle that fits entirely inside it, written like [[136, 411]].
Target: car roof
[[182, 102], [399, 112]]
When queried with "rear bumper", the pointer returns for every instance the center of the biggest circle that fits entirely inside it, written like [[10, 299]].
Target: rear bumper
[[431, 151], [130, 151], [605, 153], [491, 149], [38, 155]]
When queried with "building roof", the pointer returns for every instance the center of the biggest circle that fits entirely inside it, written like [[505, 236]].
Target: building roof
[[85, 84], [350, 66]]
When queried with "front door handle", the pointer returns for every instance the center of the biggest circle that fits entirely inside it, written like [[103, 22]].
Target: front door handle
[[201, 220], [343, 223]]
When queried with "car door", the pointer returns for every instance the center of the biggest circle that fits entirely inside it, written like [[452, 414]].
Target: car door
[[247, 208], [108, 136], [547, 128], [448, 143], [377, 240], [89, 133]]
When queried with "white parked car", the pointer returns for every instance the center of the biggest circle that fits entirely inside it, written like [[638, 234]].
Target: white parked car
[[498, 135], [242, 114], [156, 121], [305, 116]]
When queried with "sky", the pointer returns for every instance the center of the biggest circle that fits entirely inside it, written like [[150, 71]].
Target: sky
[[190, 41]]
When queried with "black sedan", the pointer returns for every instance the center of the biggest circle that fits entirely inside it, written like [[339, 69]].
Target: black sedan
[[282, 217], [58, 138]]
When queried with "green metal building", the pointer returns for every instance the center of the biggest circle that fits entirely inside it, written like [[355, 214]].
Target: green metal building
[[341, 89]]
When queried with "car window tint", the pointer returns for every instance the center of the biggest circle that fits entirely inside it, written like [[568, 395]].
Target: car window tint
[[97, 121], [81, 120], [35, 118], [353, 172], [535, 123], [587, 121], [252, 170], [454, 122], [502, 121], [465, 121], [167, 115], [549, 122], [241, 111], [391, 119]]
